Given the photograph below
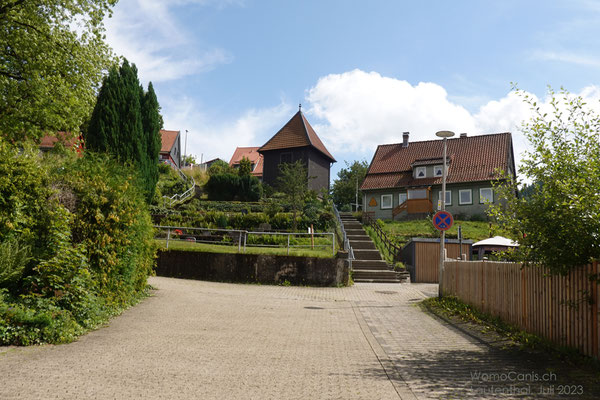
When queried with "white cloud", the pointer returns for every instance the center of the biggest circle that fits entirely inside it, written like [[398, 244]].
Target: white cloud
[[219, 139], [147, 34], [359, 110]]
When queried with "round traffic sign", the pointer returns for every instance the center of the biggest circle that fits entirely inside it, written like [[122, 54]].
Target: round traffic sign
[[442, 220]]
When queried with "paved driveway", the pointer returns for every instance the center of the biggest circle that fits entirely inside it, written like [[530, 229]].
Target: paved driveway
[[204, 340]]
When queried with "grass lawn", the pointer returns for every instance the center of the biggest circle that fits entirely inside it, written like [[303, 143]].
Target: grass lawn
[[323, 252], [401, 231]]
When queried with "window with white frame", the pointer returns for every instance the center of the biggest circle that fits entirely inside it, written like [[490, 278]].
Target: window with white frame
[[420, 172], [401, 198], [448, 199], [386, 201], [486, 195], [465, 196], [438, 170], [417, 194]]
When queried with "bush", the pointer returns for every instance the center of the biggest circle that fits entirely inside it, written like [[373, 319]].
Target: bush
[[14, 256], [76, 243], [222, 187], [233, 187]]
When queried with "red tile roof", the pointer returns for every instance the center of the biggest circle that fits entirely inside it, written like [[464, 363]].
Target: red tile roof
[[471, 159], [168, 140], [65, 138], [296, 133], [252, 154]]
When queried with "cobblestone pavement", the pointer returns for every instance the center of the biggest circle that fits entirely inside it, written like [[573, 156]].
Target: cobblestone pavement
[[204, 340]]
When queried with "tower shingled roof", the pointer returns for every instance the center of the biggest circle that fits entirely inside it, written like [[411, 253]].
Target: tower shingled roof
[[297, 132]]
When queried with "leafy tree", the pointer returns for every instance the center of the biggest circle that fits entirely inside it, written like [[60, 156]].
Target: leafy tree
[[349, 180], [293, 182], [52, 57], [126, 123], [557, 222], [219, 167], [188, 160], [245, 167]]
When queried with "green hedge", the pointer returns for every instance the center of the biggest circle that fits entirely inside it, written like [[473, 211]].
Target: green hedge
[[80, 243], [250, 221]]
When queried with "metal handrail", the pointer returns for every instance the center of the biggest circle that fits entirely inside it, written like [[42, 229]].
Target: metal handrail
[[345, 241], [387, 243], [178, 197]]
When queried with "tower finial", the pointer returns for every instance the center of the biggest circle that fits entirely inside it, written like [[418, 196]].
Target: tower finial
[[300, 107]]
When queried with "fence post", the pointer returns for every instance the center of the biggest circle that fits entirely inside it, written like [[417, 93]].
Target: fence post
[[240, 242], [288, 244], [245, 237], [333, 244], [168, 237]]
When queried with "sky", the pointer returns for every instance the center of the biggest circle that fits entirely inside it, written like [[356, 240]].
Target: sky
[[233, 72]]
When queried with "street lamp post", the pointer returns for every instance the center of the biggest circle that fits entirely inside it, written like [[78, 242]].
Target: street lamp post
[[445, 135]]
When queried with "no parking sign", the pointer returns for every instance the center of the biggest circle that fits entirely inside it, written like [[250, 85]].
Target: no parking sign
[[442, 220]]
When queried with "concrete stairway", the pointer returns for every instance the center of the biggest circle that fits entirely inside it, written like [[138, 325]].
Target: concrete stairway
[[368, 266]]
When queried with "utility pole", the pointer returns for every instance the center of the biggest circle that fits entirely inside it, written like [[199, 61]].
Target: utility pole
[[445, 135]]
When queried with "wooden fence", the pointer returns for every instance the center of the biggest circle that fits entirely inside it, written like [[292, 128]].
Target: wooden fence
[[563, 309]]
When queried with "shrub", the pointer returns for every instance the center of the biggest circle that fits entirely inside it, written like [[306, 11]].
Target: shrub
[[13, 258], [222, 186], [113, 223], [249, 188], [230, 187], [272, 207], [76, 243]]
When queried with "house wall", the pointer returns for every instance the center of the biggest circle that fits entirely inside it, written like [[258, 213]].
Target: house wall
[[175, 152], [317, 166], [456, 209]]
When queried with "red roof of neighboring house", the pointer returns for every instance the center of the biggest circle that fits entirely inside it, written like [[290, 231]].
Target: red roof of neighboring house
[[252, 154], [471, 159], [66, 138], [168, 140], [296, 133]]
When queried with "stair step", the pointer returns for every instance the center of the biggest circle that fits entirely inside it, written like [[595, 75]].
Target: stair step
[[360, 280], [369, 267], [352, 225], [367, 254], [358, 237], [355, 231], [366, 264], [362, 244], [374, 275]]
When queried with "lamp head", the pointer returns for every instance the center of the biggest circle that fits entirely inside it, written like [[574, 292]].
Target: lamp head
[[444, 134]]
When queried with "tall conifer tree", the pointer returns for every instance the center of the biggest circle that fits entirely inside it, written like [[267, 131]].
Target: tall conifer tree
[[126, 123]]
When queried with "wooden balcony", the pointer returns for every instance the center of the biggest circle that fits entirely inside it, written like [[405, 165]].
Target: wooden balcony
[[414, 206]]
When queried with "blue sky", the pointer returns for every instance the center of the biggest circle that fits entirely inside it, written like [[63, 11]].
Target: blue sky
[[233, 72]]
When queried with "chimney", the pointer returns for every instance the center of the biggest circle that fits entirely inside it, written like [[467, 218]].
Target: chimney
[[405, 139], [464, 134]]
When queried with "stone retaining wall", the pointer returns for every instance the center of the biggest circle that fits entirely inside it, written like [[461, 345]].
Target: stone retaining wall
[[259, 268]]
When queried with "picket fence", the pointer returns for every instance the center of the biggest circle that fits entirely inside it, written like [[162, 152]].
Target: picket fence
[[563, 309]]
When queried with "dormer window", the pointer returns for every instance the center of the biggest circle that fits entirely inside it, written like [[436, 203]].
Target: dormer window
[[438, 170], [420, 172]]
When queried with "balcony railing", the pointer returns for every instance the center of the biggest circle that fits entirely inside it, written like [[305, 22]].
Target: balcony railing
[[414, 206]]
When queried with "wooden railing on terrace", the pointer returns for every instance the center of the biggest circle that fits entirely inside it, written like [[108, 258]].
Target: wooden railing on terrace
[[413, 206], [392, 249]]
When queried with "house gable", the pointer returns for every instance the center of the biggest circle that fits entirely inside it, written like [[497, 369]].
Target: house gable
[[397, 170], [252, 154], [470, 159], [297, 140], [170, 149]]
